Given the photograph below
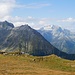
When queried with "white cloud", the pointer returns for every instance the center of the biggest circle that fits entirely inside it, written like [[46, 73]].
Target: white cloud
[[33, 22], [33, 5], [19, 20], [6, 7], [19, 23], [67, 20], [43, 21], [68, 23], [37, 23]]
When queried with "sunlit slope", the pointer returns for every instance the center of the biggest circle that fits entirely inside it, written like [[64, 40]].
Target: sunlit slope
[[30, 65]]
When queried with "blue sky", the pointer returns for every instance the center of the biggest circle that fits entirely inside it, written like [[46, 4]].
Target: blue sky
[[46, 8], [39, 13]]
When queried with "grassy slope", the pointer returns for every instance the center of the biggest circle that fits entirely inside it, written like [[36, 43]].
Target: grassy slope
[[25, 65]]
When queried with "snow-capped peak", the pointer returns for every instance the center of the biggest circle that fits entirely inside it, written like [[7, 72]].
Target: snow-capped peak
[[50, 27]]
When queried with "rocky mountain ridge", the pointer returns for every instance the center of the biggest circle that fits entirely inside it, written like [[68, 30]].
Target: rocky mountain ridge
[[27, 40], [62, 39]]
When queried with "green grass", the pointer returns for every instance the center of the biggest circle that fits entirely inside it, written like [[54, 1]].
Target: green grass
[[33, 65], [56, 63]]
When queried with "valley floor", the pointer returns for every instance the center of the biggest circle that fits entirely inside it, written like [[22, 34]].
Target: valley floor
[[30, 65]]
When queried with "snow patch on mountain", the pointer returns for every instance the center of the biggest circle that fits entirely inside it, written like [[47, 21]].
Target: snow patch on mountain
[[62, 39]]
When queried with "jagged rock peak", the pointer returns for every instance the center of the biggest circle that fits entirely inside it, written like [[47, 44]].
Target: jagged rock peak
[[23, 27], [6, 25]]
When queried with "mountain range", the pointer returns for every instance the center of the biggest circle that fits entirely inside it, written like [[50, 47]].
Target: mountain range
[[28, 40], [62, 39]]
